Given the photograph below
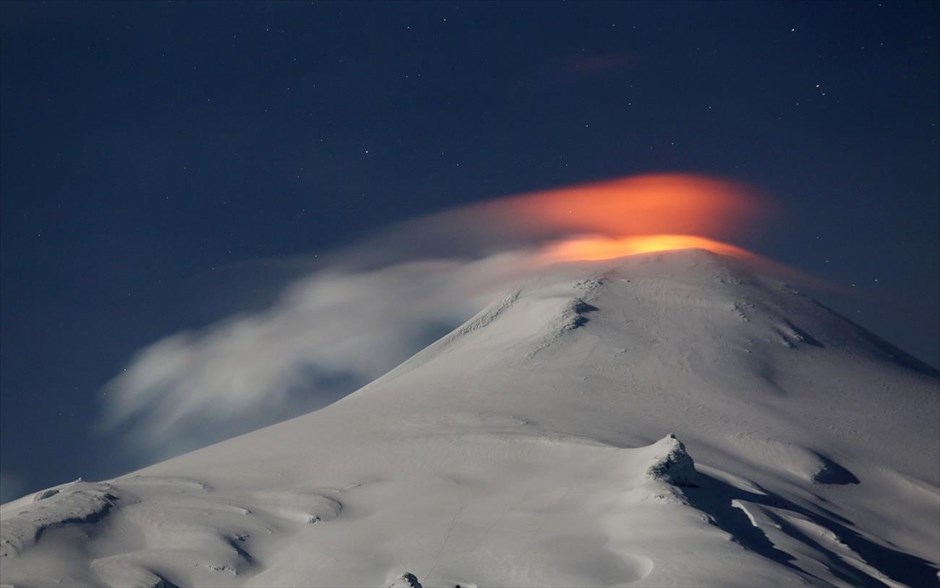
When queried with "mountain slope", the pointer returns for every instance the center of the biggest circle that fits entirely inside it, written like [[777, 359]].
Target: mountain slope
[[532, 446]]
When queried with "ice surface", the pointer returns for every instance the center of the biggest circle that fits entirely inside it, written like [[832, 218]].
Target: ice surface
[[539, 445]]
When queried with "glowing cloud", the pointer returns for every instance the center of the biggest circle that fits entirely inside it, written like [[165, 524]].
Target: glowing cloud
[[656, 204], [600, 247], [669, 204], [627, 216]]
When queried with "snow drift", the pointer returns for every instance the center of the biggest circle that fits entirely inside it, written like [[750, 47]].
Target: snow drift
[[667, 419]]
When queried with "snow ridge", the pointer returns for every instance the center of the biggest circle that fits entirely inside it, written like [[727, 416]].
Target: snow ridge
[[76, 503]]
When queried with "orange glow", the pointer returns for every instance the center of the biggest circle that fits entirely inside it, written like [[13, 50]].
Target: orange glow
[[671, 204], [593, 248], [627, 216]]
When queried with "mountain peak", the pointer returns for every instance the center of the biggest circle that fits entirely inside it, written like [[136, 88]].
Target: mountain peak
[[538, 444]]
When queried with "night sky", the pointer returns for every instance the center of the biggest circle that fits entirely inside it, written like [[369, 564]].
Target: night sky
[[163, 163]]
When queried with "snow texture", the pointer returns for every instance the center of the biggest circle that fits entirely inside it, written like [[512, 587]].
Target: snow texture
[[406, 580], [672, 464], [533, 447]]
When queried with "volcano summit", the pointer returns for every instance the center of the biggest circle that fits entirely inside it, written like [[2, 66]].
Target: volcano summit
[[670, 418]]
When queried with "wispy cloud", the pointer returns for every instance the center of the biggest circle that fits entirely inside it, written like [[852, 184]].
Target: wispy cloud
[[329, 334]]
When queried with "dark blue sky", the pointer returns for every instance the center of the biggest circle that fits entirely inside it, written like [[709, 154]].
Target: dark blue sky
[[153, 153]]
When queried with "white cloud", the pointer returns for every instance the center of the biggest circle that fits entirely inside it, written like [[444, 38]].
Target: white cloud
[[329, 334]]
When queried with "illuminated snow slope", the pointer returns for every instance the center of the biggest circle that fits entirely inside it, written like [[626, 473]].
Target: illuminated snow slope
[[531, 447]]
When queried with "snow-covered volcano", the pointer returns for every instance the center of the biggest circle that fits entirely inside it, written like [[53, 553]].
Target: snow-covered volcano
[[665, 419]]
